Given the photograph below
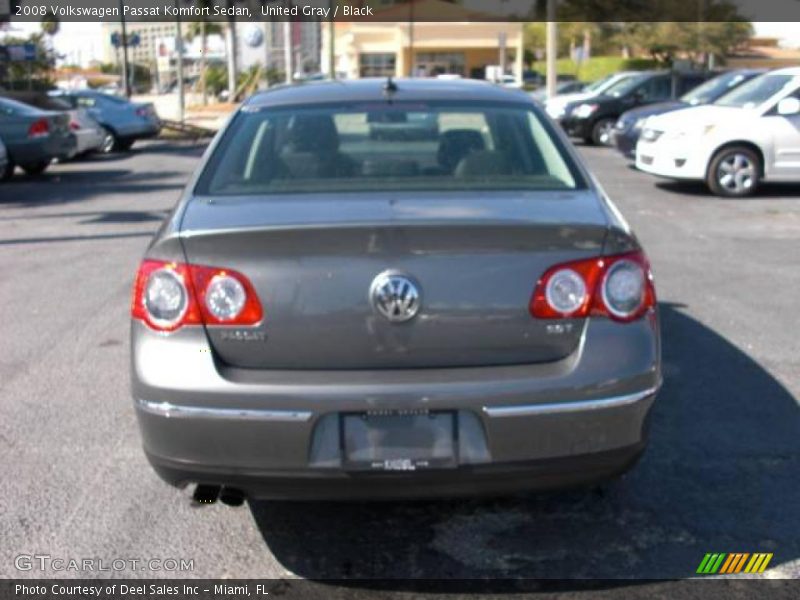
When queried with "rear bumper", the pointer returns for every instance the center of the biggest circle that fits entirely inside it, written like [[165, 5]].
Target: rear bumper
[[276, 433], [144, 129], [88, 140], [473, 480], [45, 149]]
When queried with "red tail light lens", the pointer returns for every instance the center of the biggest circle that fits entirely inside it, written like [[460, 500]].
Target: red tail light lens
[[39, 128], [168, 296], [619, 287], [74, 125], [142, 111]]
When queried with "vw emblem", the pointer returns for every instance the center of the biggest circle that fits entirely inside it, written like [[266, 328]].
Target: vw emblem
[[395, 296]]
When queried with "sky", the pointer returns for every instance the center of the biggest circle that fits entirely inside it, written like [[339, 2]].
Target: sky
[[82, 42]]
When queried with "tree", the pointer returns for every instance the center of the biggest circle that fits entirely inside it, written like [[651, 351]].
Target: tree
[[203, 29]]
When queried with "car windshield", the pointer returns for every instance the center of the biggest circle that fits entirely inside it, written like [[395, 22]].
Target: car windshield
[[713, 88], [624, 86], [387, 147], [756, 91], [13, 107], [601, 84]]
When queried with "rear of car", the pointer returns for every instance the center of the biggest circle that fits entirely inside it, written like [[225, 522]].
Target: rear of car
[[34, 137], [88, 133], [331, 315]]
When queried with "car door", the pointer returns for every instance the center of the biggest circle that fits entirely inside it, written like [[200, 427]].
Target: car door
[[782, 133]]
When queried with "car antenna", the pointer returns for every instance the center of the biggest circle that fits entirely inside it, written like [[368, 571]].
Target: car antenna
[[389, 89]]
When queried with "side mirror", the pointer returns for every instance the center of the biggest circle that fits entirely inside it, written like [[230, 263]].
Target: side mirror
[[789, 106]]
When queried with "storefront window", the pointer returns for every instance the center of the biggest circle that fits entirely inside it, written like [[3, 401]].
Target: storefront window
[[377, 65], [431, 64]]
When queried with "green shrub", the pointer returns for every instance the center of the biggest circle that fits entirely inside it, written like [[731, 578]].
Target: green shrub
[[597, 66]]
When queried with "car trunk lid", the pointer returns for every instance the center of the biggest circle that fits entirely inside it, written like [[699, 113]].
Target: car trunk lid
[[475, 258]]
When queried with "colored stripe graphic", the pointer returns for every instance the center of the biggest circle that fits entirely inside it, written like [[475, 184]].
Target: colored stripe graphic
[[727, 563]]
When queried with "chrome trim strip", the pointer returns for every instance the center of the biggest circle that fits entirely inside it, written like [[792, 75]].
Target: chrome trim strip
[[526, 410], [165, 409]]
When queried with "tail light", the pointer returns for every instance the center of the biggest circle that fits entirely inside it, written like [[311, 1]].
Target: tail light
[[142, 111], [74, 126], [39, 128], [619, 287], [169, 295]]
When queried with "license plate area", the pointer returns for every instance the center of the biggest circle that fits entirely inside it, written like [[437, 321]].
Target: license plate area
[[397, 441]]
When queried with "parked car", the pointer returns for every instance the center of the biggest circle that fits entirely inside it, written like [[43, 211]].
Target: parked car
[[748, 136], [33, 137], [629, 125], [329, 316], [557, 105], [123, 122], [89, 134], [594, 120], [3, 162], [563, 87]]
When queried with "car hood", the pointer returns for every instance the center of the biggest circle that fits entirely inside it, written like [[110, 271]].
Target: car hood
[[564, 99], [695, 117], [653, 109]]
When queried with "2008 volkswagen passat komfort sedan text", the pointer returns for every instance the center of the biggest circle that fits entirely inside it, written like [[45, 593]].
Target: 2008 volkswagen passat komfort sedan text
[[330, 315]]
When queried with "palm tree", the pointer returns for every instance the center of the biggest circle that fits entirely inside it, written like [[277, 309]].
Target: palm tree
[[203, 29]]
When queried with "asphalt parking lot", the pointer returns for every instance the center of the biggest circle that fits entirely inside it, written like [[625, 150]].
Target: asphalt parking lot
[[721, 473]]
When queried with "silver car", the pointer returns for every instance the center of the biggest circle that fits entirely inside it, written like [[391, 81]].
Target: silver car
[[330, 315]]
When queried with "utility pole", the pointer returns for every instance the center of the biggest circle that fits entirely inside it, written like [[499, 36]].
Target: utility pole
[[179, 70], [551, 48], [126, 83]]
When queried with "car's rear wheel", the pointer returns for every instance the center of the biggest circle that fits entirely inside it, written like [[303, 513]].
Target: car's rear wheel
[[35, 169], [601, 132], [734, 172], [110, 142]]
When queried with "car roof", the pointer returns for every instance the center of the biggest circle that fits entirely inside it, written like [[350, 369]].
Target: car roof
[[794, 71], [372, 90]]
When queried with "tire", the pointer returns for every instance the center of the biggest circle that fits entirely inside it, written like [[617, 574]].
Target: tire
[[110, 142], [8, 171], [124, 145], [734, 172], [601, 132], [36, 169]]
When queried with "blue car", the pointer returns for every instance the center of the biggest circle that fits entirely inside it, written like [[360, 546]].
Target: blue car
[[123, 121]]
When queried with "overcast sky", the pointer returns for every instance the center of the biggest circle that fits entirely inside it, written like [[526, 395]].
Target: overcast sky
[[82, 42]]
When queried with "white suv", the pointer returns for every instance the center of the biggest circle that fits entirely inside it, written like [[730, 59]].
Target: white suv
[[748, 136]]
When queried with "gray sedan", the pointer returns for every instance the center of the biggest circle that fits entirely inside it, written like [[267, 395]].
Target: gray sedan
[[33, 137], [3, 160], [123, 122], [327, 315]]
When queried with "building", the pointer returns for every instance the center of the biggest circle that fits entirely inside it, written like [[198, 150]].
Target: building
[[260, 43], [149, 34], [387, 45]]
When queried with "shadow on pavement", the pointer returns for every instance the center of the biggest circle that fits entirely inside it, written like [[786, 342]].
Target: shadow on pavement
[[720, 475], [73, 185]]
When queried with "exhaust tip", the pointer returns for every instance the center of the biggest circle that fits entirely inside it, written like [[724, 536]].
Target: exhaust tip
[[205, 494], [231, 497]]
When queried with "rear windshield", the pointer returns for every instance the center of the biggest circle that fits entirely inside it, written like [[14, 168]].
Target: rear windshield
[[386, 147]]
